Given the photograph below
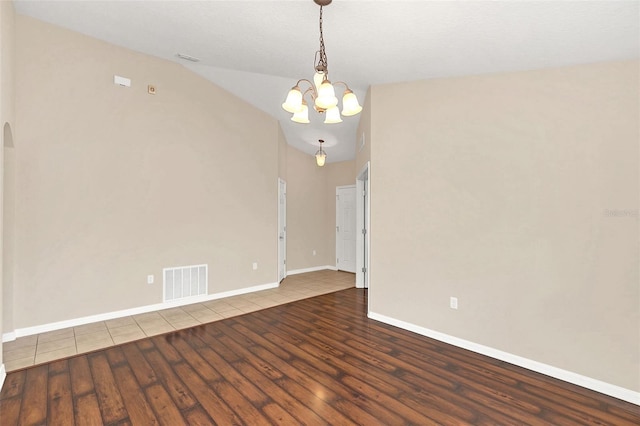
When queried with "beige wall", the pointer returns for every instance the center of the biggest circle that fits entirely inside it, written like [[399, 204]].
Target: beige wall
[[518, 194], [338, 174], [282, 154], [363, 152], [306, 211], [7, 117], [114, 184]]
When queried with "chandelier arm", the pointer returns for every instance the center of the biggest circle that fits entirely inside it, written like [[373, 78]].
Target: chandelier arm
[[313, 93], [311, 88], [304, 79], [346, 86]]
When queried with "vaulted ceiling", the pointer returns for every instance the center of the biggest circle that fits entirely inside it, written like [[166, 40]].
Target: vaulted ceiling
[[259, 49]]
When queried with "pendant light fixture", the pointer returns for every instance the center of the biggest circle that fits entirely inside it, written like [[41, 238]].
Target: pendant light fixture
[[322, 92], [321, 156]]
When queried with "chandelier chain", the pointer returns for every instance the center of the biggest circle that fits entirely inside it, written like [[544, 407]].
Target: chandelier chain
[[323, 55]]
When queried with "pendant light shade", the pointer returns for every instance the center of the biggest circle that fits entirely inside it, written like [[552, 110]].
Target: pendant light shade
[[321, 156], [321, 90]]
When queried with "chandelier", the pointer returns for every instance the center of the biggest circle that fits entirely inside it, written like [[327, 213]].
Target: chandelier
[[321, 156], [321, 91]]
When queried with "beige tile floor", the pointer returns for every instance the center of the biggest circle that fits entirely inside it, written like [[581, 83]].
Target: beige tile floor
[[31, 350]]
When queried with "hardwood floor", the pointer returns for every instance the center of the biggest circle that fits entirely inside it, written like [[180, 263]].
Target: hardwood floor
[[316, 361]]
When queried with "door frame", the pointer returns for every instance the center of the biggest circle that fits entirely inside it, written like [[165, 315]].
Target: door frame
[[282, 223], [363, 221]]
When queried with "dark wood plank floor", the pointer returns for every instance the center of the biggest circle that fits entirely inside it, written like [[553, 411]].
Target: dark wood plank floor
[[317, 361]]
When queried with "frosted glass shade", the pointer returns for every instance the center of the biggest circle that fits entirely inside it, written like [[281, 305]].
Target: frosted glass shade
[[318, 78], [332, 115], [293, 103], [326, 96], [350, 105], [301, 116], [321, 158]]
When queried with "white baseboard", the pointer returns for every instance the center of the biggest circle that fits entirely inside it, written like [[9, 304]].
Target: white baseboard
[[9, 337], [558, 373], [313, 269], [28, 331], [3, 375]]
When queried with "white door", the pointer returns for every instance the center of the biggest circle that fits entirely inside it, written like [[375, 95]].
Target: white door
[[282, 229], [346, 228]]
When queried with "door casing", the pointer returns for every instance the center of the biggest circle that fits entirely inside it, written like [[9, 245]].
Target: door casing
[[363, 215]]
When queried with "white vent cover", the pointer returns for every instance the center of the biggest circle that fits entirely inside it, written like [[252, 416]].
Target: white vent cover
[[185, 281]]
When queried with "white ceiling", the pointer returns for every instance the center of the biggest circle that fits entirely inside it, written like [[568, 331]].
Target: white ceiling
[[259, 49]]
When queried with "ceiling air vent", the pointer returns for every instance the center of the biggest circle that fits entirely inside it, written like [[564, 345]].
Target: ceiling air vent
[[187, 57]]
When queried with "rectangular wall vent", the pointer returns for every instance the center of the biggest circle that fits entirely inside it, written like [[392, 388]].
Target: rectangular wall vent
[[185, 281]]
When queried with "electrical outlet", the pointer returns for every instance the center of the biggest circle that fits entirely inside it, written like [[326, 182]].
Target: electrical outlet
[[314, 252], [453, 302], [149, 279], [255, 265]]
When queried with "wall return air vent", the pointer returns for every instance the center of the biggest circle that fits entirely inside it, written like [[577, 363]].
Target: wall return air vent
[[185, 281]]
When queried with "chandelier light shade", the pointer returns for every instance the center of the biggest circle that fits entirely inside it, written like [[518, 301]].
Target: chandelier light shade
[[326, 96], [321, 156], [350, 105], [321, 91], [318, 78], [293, 103], [301, 116], [332, 115]]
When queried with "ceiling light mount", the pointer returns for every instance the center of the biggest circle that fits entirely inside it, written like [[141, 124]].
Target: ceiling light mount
[[322, 92]]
